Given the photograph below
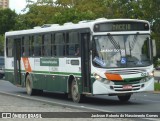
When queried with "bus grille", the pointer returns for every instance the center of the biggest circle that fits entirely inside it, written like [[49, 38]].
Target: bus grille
[[120, 87], [127, 71]]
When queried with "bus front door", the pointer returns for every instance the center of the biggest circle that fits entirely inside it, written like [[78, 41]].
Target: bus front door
[[17, 61], [85, 62]]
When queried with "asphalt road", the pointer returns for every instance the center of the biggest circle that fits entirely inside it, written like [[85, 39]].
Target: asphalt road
[[15, 105], [140, 102], [13, 108]]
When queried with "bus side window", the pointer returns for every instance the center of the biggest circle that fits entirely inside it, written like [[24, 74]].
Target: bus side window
[[9, 47], [31, 47], [25, 46], [46, 45], [59, 44], [73, 44], [53, 51], [37, 45]]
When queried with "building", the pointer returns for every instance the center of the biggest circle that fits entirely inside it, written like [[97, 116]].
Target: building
[[4, 3]]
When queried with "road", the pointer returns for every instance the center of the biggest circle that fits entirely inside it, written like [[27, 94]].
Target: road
[[140, 102], [19, 109]]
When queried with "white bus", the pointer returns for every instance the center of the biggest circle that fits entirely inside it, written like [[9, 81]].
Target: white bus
[[98, 57]]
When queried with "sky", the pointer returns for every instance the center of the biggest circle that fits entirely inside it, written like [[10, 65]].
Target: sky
[[17, 5]]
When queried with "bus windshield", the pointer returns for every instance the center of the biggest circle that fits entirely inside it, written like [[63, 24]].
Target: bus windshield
[[121, 51]]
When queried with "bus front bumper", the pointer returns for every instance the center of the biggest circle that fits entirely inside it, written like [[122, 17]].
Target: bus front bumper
[[109, 89]]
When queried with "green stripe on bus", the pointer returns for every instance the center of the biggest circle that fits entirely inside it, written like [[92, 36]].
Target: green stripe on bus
[[133, 79], [57, 73], [47, 72]]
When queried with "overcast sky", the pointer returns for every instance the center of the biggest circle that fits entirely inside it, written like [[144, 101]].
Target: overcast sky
[[17, 5]]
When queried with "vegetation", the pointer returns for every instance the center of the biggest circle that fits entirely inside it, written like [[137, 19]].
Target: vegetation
[[61, 11], [157, 86]]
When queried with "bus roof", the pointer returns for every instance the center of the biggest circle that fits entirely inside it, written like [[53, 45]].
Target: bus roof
[[67, 26]]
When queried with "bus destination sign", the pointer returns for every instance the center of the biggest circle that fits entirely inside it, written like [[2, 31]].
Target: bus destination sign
[[121, 26]]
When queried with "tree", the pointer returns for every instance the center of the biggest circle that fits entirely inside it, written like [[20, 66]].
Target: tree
[[1, 45], [7, 23], [151, 12], [36, 16], [7, 20], [62, 11]]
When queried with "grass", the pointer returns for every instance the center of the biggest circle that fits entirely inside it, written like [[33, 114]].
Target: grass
[[157, 86]]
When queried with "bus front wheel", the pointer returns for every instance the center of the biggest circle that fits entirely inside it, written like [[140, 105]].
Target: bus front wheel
[[76, 96], [29, 86], [124, 98]]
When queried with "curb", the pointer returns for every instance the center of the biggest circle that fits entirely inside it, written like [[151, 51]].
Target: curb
[[156, 92]]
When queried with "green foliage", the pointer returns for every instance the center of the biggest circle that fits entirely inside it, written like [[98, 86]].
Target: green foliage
[[157, 62], [77, 10], [7, 20], [62, 11], [72, 15], [37, 16], [1, 45], [157, 86], [7, 23]]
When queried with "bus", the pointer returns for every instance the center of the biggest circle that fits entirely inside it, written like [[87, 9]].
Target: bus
[[94, 57]]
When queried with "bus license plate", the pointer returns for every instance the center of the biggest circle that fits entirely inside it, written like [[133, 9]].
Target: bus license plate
[[127, 86]]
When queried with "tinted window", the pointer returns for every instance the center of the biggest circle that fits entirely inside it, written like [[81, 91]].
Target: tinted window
[[9, 47], [1, 61]]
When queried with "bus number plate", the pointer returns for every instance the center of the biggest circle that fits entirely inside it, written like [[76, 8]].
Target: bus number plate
[[127, 86]]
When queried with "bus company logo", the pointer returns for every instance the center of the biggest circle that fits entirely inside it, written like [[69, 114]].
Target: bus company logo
[[49, 62]]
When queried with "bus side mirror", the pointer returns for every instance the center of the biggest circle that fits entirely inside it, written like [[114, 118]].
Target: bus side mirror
[[154, 48]]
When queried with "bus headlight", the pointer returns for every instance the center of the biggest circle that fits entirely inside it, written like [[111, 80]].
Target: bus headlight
[[151, 74], [97, 77]]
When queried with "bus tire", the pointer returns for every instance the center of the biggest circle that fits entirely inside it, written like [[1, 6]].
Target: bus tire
[[124, 98], [38, 92], [76, 96], [29, 86]]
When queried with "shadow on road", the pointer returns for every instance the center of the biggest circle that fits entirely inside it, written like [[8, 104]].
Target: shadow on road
[[101, 100]]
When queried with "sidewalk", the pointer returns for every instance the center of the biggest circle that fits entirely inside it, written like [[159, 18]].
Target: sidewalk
[[157, 75], [157, 79]]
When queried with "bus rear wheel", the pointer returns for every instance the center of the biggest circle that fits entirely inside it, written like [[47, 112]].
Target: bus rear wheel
[[124, 98], [76, 96], [29, 86]]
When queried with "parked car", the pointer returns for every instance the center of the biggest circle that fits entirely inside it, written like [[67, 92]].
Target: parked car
[[158, 68], [1, 67]]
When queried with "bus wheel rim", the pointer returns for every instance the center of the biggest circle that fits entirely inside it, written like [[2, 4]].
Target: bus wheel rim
[[28, 86], [75, 93]]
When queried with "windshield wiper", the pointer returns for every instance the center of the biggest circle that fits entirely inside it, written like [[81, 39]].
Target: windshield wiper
[[134, 40], [131, 45], [115, 44]]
